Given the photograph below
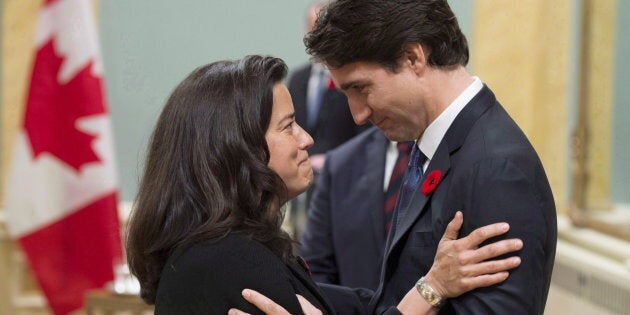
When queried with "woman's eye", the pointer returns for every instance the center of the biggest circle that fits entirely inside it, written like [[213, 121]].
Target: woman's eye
[[290, 126]]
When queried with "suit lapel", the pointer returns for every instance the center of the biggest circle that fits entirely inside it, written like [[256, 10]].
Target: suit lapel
[[452, 141], [440, 162]]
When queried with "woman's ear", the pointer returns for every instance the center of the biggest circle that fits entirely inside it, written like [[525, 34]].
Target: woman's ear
[[414, 56]]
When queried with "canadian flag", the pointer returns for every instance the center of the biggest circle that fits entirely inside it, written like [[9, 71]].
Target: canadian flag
[[61, 194]]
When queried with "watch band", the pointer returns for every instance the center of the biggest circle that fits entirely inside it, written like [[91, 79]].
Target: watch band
[[427, 292]]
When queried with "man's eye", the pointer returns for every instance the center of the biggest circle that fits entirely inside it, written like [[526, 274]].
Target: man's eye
[[359, 88]]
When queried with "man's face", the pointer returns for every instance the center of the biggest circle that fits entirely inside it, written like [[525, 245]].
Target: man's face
[[390, 100]]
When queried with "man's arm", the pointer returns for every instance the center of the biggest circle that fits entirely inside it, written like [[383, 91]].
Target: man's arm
[[499, 190]]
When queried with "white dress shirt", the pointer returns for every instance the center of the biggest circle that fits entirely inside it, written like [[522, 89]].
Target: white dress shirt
[[433, 135]]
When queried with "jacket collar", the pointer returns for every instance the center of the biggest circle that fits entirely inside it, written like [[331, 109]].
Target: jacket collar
[[452, 141]]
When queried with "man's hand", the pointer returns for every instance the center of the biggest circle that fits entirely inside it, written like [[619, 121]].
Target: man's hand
[[269, 307], [460, 265]]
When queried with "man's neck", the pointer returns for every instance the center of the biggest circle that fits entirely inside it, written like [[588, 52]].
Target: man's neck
[[445, 86]]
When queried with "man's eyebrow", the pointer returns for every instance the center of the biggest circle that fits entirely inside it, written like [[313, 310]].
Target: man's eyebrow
[[347, 85]]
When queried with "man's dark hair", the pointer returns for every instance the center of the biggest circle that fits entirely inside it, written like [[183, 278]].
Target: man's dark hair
[[349, 31], [206, 172]]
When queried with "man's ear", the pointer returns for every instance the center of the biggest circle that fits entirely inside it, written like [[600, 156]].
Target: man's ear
[[414, 56]]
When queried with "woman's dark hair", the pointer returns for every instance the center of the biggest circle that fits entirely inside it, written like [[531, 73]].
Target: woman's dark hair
[[206, 170], [348, 31]]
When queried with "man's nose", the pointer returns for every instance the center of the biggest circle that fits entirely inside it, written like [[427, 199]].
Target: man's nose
[[360, 111]]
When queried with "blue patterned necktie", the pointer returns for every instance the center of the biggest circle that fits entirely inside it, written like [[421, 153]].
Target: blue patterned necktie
[[412, 180]]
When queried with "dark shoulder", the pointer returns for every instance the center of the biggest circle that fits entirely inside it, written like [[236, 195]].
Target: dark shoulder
[[208, 277], [357, 143], [232, 250], [496, 136], [302, 70], [300, 74]]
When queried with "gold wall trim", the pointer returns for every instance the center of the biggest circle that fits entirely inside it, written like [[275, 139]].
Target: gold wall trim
[[597, 81], [522, 53], [18, 35]]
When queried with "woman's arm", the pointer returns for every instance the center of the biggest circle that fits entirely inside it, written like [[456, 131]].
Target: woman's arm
[[459, 266]]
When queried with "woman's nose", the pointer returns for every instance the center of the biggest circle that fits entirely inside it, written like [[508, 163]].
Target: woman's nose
[[305, 140]]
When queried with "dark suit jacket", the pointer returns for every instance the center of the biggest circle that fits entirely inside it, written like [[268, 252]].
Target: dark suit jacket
[[334, 122], [208, 277], [491, 172], [344, 238]]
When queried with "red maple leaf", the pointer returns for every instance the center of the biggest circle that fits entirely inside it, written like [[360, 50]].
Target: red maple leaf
[[52, 110]]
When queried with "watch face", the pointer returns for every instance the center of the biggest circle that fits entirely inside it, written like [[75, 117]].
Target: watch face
[[428, 294]]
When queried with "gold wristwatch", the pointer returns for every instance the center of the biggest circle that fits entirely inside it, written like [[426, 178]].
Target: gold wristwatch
[[429, 294]]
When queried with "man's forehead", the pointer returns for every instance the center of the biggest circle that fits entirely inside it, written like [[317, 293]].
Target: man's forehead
[[355, 69]]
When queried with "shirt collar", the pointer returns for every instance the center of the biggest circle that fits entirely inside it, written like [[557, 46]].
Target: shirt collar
[[436, 130]]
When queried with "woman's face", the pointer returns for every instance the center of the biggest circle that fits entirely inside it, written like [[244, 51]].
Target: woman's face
[[287, 143]]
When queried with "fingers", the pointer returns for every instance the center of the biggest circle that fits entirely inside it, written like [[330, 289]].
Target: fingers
[[484, 280], [307, 307], [234, 311], [263, 303], [483, 233], [490, 251], [452, 229], [491, 267]]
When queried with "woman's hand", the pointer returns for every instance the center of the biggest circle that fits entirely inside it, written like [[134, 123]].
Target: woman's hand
[[270, 307], [460, 264]]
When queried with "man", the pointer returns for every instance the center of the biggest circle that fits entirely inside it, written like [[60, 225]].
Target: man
[[322, 110], [401, 65], [351, 210]]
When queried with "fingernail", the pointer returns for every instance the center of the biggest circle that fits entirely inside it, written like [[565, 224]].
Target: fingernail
[[516, 260], [246, 293], [505, 227], [518, 243]]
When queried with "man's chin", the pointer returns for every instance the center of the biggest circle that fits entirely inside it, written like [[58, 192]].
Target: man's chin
[[397, 136]]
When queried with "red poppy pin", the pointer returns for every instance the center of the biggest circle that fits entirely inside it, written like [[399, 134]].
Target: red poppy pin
[[431, 182], [331, 84]]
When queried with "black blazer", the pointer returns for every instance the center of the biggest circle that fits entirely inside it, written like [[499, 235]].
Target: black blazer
[[344, 239], [334, 121], [208, 277], [491, 172]]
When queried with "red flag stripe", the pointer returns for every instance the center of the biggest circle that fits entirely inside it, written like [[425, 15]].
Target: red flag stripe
[[84, 261]]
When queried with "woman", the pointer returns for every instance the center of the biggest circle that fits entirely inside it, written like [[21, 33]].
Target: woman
[[225, 156]]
